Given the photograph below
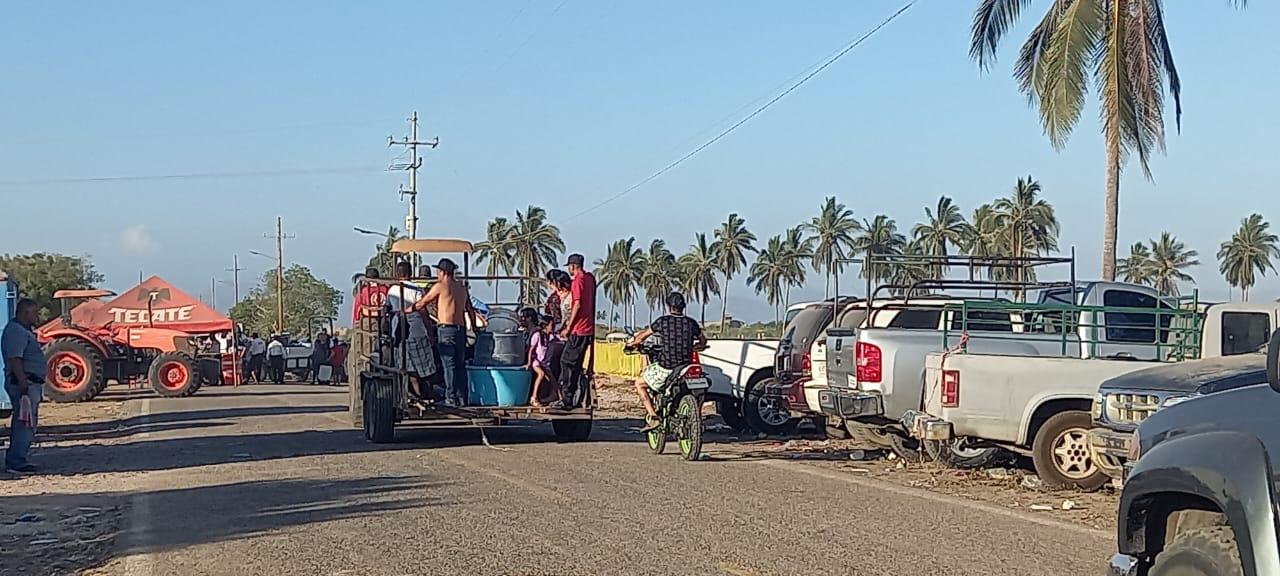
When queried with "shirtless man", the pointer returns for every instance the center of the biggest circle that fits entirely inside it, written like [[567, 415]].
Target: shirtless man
[[453, 311]]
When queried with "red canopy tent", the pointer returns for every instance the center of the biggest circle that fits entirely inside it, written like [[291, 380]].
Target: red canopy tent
[[170, 308]]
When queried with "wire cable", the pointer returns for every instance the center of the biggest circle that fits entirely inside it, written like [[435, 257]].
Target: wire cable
[[193, 176]]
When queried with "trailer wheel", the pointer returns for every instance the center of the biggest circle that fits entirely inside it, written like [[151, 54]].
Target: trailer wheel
[[379, 410], [174, 375], [1061, 453], [957, 453], [766, 412], [1203, 551], [75, 371], [572, 430]]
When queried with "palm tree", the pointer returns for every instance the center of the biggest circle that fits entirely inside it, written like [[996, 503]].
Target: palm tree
[[1169, 257], [659, 275], [497, 250], [1137, 267], [733, 242], [768, 274], [1029, 224], [619, 274], [1125, 47], [1250, 251], [986, 239], [879, 236], [698, 270], [383, 259], [796, 251], [831, 232], [906, 274], [945, 227], [536, 247]]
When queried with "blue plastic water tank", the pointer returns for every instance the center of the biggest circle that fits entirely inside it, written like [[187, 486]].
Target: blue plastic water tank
[[498, 385]]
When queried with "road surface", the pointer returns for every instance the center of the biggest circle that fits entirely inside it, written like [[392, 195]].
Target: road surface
[[270, 480]]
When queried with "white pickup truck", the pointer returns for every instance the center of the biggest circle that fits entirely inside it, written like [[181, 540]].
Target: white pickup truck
[[978, 403]]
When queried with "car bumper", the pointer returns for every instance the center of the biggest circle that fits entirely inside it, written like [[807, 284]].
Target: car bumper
[[1110, 451], [850, 403], [926, 427], [1122, 565]]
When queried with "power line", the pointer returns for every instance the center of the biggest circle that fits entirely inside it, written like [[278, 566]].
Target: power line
[[529, 38], [757, 112], [192, 176], [230, 132]]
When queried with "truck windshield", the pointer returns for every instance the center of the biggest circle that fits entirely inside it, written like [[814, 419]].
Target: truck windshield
[[807, 324]]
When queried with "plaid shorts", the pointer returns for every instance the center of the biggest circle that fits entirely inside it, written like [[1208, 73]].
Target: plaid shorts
[[417, 357]]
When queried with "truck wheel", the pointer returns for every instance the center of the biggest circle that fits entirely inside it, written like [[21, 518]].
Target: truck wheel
[[572, 430], [957, 453], [1061, 453], [75, 371], [174, 375], [765, 412], [1200, 552], [908, 449], [731, 413], [380, 410]]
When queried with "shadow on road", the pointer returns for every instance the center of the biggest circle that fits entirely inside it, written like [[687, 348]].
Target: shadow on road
[[173, 421]]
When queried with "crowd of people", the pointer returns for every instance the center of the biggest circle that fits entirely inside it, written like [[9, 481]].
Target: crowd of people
[[265, 359]]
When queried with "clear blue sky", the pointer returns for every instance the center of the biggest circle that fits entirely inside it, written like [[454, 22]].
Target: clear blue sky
[[535, 106]]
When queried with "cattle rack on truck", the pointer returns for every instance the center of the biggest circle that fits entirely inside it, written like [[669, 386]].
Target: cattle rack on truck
[[380, 395]]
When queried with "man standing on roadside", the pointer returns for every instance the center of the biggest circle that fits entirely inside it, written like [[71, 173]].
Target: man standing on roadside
[[275, 353], [257, 353], [25, 371], [579, 330]]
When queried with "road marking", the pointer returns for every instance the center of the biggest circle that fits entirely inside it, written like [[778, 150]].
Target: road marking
[[940, 498], [140, 563]]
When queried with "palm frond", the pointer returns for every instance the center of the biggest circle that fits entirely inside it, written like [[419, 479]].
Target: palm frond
[[991, 22]]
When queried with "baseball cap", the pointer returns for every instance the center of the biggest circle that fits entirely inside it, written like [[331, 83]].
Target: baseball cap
[[447, 266], [575, 260]]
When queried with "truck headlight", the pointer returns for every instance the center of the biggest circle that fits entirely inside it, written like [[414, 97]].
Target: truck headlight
[[1099, 402]]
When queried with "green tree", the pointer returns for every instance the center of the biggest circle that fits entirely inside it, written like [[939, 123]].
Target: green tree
[[305, 297], [1248, 254], [659, 275], [797, 251], [382, 258], [733, 242], [1137, 267], [906, 274], [768, 274], [619, 276], [945, 227], [1124, 47], [41, 274], [698, 270], [987, 239], [1169, 259], [879, 236], [537, 247], [1029, 224], [831, 232], [497, 251]]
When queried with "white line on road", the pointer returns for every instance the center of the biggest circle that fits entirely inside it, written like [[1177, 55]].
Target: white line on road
[[140, 563]]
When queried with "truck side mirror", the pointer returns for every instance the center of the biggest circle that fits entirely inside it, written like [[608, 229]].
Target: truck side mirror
[[1273, 361]]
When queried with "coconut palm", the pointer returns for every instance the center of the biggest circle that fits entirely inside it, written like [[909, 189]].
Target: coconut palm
[[659, 275], [1169, 257], [536, 247], [768, 274], [879, 236], [1124, 46], [1248, 254], [497, 250], [797, 250], [944, 228], [619, 274], [986, 239], [1028, 223], [1137, 267], [698, 271], [906, 274], [733, 242], [831, 233]]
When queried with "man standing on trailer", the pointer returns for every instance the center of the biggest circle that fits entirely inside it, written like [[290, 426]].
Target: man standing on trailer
[[453, 311], [579, 330]]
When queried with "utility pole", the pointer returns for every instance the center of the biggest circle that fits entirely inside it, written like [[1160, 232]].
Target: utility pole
[[280, 237], [415, 162], [213, 293], [235, 276]]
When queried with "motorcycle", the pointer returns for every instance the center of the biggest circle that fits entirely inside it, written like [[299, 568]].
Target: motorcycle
[[679, 404]]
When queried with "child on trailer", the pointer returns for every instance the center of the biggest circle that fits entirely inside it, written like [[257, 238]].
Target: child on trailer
[[542, 350]]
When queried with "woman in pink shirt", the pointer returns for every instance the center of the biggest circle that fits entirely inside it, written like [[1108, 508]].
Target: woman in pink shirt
[[543, 348]]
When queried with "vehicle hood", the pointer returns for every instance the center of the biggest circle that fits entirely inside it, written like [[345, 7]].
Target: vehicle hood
[[1207, 376]]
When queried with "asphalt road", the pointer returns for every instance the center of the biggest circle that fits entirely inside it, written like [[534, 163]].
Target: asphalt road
[[270, 480]]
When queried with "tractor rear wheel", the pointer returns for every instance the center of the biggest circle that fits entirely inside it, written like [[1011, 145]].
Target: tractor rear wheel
[[174, 375], [75, 371]]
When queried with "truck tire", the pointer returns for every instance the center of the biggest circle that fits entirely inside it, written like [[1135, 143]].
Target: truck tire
[[1203, 551], [571, 430], [956, 454], [380, 403], [75, 368], [767, 413], [174, 375], [1061, 454]]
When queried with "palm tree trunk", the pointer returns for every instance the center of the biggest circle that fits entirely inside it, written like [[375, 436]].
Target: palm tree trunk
[[611, 308], [724, 304], [1112, 211], [704, 312]]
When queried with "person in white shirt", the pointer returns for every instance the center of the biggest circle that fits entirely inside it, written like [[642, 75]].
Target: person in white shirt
[[275, 356], [257, 353], [417, 354]]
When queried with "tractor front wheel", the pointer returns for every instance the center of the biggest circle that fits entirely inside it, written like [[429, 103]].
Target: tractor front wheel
[[174, 375], [75, 371]]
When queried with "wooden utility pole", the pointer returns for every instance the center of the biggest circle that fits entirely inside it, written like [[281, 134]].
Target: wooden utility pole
[[280, 237], [235, 277]]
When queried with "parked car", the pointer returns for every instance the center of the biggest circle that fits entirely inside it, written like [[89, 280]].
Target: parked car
[[978, 403], [1201, 497], [800, 363]]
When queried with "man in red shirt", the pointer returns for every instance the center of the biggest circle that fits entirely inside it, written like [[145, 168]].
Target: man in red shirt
[[579, 330]]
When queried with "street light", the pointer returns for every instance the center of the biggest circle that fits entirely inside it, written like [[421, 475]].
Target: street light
[[370, 232]]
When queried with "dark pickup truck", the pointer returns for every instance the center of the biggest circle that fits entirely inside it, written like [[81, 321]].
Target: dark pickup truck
[[1200, 498]]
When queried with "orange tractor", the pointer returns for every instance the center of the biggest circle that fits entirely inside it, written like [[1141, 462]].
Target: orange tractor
[[82, 359]]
